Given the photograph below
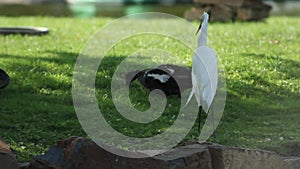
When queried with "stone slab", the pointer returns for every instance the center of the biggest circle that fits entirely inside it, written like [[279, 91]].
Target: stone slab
[[234, 158], [80, 153]]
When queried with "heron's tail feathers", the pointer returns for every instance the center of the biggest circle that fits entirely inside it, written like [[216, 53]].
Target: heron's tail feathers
[[190, 97]]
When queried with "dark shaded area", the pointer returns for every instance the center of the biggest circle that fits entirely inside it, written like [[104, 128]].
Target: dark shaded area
[[37, 109], [287, 66], [238, 99], [261, 104], [266, 98], [33, 76]]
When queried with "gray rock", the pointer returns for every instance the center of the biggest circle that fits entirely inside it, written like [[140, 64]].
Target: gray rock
[[195, 156], [293, 162], [234, 158], [80, 153], [8, 162], [7, 157]]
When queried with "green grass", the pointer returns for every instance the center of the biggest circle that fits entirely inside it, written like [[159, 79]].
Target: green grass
[[261, 60]]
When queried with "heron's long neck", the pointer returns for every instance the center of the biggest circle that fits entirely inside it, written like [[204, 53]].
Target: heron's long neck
[[203, 34]]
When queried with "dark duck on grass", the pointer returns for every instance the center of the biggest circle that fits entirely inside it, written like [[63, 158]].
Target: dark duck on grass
[[163, 78]]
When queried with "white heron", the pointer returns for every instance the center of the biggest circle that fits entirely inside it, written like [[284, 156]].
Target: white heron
[[204, 71]]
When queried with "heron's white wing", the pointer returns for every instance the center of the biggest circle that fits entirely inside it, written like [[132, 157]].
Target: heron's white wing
[[204, 76], [208, 76], [195, 90]]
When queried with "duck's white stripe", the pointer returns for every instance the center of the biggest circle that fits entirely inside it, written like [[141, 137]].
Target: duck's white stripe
[[162, 78], [171, 70]]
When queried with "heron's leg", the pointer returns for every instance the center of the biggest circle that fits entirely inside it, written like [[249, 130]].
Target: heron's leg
[[200, 118], [213, 121]]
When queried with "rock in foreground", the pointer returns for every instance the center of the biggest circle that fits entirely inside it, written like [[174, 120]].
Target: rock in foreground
[[7, 157], [80, 153]]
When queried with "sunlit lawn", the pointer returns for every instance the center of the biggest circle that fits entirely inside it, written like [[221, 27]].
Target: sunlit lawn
[[262, 66]]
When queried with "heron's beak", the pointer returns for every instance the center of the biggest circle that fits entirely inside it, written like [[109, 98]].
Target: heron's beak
[[199, 28]]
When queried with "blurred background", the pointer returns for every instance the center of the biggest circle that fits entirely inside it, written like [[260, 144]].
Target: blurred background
[[118, 8]]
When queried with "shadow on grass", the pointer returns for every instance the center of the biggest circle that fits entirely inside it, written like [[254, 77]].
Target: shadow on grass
[[30, 73], [288, 66], [38, 103], [259, 109]]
